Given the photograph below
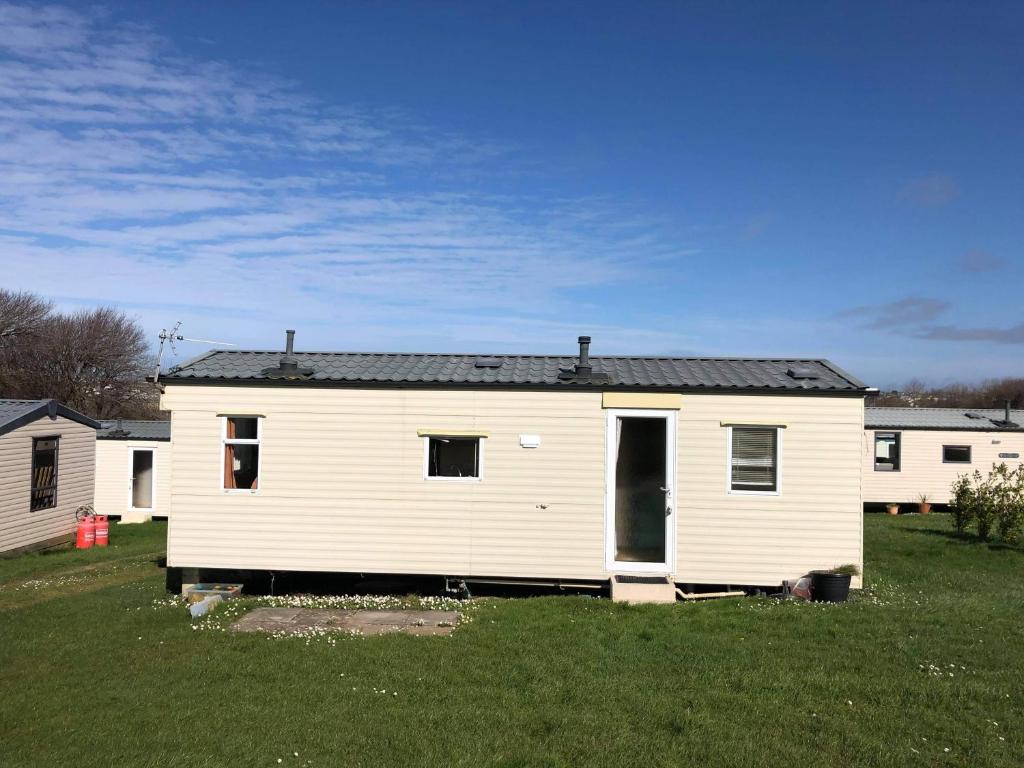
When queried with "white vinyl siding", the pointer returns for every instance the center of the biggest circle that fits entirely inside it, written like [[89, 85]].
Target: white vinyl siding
[[816, 522], [342, 485], [113, 476], [19, 526], [922, 469]]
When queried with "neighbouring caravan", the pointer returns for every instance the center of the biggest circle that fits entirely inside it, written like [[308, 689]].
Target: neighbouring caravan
[[909, 452], [47, 461], [133, 469], [694, 470]]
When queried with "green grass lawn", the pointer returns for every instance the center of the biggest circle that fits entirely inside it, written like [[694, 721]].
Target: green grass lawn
[[99, 668]]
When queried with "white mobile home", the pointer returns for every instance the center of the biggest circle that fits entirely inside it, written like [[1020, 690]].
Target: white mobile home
[[47, 459], [913, 451], [705, 471], [133, 469]]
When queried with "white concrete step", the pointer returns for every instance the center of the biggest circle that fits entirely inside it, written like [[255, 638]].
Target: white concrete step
[[642, 588]]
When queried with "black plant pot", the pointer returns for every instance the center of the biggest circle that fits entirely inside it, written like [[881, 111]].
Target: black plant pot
[[829, 587]]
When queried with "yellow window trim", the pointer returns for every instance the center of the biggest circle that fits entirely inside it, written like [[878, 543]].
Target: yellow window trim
[[654, 400], [749, 423], [452, 433]]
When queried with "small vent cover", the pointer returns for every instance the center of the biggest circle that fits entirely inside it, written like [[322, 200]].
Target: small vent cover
[[802, 372], [628, 579], [487, 362]]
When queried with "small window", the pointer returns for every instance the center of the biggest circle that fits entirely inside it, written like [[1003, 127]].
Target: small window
[[242, 452], [753, 459], [887, 451], [453, 457], [44, 473], [956, 454]]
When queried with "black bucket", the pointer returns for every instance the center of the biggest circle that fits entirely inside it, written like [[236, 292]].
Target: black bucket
[[829, 587]]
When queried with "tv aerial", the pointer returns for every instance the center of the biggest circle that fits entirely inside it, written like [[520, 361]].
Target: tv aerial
[[172, 337]]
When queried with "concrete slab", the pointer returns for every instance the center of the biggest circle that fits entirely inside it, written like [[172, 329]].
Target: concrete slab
[[639, 589], [365, 622]]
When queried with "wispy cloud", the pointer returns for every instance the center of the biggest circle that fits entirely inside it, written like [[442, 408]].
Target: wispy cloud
[[132, 171], [756, 226], [919, 317], [981, 261], [931, 191], [1010, 335], [897, 315]]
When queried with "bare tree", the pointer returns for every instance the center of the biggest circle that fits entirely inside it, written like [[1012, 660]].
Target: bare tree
[[22, 317], [92, 360], [21, 314], [989, 394]]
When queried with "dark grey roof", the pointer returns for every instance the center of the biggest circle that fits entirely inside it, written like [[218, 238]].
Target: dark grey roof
[[18, 413], [671, 373], [131, 429], [954, 419]]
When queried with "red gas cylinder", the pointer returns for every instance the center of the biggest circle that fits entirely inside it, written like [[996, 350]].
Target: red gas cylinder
[[86, 533], [102, 531]]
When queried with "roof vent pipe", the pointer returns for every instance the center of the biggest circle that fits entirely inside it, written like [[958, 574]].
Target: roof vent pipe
[[287, 359], [1006, 418], [583, 368], [288, 366]]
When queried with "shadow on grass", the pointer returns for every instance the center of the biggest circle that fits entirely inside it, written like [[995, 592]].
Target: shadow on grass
[[326, 583], [968, 539]]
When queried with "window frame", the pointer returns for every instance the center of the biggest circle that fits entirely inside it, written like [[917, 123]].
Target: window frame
[[56, 473], [899, 449], [968, 448], [779, 429], [480, 440], [258, 442]]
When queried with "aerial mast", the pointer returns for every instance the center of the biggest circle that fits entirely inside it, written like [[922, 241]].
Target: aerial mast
[[170, 339]]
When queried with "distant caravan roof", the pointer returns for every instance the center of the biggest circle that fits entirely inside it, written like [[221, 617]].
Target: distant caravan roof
[[134, 429], [17, 413], [951, 419], [815, 376]]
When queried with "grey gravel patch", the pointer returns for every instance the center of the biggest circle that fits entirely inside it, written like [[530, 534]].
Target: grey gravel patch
[[364, 622]]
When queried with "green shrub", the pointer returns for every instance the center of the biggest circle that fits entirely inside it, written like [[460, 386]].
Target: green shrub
[[984, 512], [963, 503], [1010, 518], [990, 503]]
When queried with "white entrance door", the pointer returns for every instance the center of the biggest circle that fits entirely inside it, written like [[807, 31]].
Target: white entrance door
[[141, 479], [640, 496]]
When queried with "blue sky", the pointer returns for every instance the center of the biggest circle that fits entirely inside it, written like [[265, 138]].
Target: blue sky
[[821, 179]]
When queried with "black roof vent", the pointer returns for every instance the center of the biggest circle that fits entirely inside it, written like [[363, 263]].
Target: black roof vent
[[583, 367], [116, 428], [1006, 422], [803, 372], [583, 372], [487, 362], [288, 368], [972, 415]]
